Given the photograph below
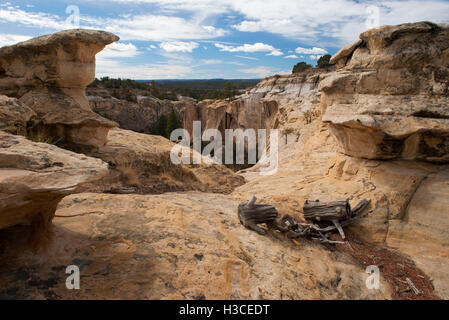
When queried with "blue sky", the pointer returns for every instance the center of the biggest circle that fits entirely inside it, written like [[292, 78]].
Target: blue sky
[[203, 39]]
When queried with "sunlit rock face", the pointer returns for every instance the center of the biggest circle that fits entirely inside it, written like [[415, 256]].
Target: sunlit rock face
[[34, 177], [270, 102], [50, 75], [389, 97]]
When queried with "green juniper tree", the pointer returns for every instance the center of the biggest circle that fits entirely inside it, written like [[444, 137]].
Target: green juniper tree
[[161, 125], [172, 123], [323, 61], [300, 67]]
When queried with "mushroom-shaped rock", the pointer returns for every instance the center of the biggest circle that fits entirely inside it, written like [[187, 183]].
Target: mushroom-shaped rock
[[50, 75]]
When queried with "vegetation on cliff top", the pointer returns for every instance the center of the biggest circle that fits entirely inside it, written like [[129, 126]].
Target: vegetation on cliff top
[[126, 89]]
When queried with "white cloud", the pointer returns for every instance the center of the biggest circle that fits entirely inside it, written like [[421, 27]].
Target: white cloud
[[39, 19], [236, 63], [246, 57], [119, 50], [118, 69], [313, 50], [275, 53], [315, 57], [292, 56], [178, 46], [340, 21], [160, 28], [9, 39], [144, 27], [211, 61], [262, 72], [256, 47]]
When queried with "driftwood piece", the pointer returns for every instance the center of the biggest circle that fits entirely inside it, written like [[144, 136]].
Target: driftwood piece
[[337, 213], [252, 214], [333, 211], [327, 211], [359, 207], [412, 286]]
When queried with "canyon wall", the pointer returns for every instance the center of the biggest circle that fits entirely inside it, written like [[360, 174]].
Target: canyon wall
[[379, 133], [265, 106], [141, 115]]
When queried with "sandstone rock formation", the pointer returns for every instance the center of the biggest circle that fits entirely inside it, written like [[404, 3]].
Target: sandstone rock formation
[[401, 195], [408, 210], [34, 177], [14, 115], [262, 107], [176, 246], [142, 163], [388, 98], [139, 116], [50, 74]]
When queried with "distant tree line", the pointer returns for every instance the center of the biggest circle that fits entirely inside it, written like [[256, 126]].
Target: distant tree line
[[322, 62], [199, 90], [111, 83]]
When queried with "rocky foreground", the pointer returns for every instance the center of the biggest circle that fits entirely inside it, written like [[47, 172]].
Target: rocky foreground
[[140, 227]]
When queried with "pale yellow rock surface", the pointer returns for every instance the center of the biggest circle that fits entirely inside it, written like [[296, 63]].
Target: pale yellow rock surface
[[422, 232], [408, 210], [64, 59], [259, 108], [192, 246], [177, 246], [34, 177]]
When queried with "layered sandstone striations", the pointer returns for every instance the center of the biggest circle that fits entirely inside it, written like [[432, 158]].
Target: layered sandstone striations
[[49, 74], [388, 98], [263, 107]]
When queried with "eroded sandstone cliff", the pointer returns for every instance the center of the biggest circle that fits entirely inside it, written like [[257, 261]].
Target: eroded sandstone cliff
[[141, 115], [389, 97], [374, 107]]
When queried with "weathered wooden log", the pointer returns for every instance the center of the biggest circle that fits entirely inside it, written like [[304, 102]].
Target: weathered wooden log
[[338, 213], [359, 207], [327, 211], [251, 214]]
